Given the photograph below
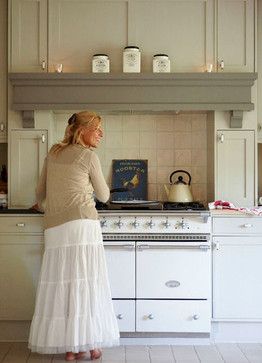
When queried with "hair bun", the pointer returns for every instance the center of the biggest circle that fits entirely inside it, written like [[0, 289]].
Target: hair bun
[[72, 119]]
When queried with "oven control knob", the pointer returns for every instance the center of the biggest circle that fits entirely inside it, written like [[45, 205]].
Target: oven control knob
[[183, 224], [166, 223], [151, 224], [103, 223], [119, 223], [135, 223], [196, 317]]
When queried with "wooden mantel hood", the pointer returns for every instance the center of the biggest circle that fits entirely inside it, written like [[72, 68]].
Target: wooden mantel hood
[[134, 92]]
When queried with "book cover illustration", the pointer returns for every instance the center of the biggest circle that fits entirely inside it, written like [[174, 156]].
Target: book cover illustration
[[132, 175]]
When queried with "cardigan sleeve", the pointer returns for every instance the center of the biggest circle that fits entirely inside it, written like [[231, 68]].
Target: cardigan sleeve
[[97, 179], [41, 187]]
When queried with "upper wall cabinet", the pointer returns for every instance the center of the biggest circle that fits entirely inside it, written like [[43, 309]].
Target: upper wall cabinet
[[192, 32], [78, 29], [182, 29], [28, 35], [236, 35]]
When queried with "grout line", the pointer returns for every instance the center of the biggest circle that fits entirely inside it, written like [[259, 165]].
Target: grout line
[[196, 353], [238, 345], [8, 350], [173, 353], [219, 352]]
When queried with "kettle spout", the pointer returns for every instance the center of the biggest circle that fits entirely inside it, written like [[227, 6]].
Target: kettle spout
[[167, 190]]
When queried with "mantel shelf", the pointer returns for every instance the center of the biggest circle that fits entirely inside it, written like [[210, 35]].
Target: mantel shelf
[[134, 92]]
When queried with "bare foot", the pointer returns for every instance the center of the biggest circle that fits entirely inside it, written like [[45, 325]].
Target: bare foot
[[95, 354], [81, 355], [70, 356]]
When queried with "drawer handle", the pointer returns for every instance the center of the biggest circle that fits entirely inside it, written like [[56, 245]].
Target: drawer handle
[[119, 316], [20, 224], [196, 317], [247, 225], [172, 283]]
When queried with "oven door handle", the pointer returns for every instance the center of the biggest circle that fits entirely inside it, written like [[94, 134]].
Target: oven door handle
[[172, 247]]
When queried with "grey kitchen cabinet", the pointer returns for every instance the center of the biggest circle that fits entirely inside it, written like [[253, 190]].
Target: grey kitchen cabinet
[[27, 152], [235, 36], [72, 31], [20, 262], [3, 67], [237, 278], [28, 36], [235, 167]]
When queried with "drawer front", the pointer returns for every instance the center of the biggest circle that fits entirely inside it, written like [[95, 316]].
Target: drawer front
[[120, 257], [21, 224], [173, 316], [173, 271], [241, 225], [125, 314]]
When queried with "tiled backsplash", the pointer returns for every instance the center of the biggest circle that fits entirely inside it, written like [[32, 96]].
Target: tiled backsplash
[[167, 142]]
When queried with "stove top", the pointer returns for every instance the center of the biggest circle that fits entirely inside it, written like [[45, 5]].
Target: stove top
[[184, 206], [193, 206]]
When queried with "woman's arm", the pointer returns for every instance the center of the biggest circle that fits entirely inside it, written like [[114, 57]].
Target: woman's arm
[[97, 179], [41, 187]]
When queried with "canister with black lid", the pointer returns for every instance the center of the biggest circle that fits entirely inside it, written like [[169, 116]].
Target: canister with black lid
[[161, 63], [131, 59], [100, 63]]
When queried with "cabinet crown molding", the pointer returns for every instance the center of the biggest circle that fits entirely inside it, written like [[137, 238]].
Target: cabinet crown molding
[[133, 92]]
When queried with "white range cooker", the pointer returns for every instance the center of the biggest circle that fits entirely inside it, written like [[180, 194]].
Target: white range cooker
[[159, 265]]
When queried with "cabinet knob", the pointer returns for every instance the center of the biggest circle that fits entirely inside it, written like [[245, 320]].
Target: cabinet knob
[[150, 316], [43, 65], [196, 317], [20, 224], [216, 245], [221, 64], [43, 138], [221, 138], [247, 225], [2, 127], [119, 316]]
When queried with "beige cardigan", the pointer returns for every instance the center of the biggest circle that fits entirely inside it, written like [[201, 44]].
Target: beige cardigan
[[67, 183]]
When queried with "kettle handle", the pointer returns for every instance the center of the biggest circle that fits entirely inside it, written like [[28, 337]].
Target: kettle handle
[[180, 171]]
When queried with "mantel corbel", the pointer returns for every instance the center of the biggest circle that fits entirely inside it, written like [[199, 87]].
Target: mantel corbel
[[236, 119], [28, 118]]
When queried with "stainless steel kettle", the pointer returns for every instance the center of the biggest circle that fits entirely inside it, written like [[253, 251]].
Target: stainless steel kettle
[[179, 191]]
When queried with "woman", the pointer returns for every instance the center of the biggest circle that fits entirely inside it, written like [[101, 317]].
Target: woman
[[74, 311]]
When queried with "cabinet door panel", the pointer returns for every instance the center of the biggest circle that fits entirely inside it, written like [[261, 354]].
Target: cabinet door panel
[[125, 314], [81, 28], [20, 262], [3, 74], [236, 167], [28, 35], [27, 154], [237, 278], [189, 47], [121, 268], [235, 34]]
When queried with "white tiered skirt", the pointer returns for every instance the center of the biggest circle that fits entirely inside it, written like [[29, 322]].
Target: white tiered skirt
[[74, 310]]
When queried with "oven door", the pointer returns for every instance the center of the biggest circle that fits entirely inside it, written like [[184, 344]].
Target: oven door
[[120, 258], [179, 270]]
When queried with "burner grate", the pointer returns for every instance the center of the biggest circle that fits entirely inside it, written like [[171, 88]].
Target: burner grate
[[184, 206]]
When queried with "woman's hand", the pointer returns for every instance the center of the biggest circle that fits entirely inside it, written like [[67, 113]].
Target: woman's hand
[[36, 207]]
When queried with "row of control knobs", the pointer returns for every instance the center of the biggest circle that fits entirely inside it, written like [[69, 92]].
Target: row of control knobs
[[182, 224]]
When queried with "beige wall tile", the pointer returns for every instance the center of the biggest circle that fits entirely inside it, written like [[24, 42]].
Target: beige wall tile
[[182, 140], [199, 192], [164, 123], [199, 121], [152, 191], [165, 140], [150, 155], [130, 153], [152, 176], [199, 140], [130, 123], [163, 174], [199, 157], [182, 157], [147, 140], [182, 122], [113, 123], [165, 157], [147, 123], [131, 139], [114, 139], [199, 174]]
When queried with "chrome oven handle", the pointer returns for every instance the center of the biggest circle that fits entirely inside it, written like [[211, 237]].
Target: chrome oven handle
[[128, 246], [168, 247]]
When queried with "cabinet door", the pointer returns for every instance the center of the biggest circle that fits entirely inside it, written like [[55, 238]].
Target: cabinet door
[[120, 257], [189, 48], [27, 152], [20, 262], [3, 74], [237, 278], [236, 34], [235, 172], [79, 29], [28, 35]]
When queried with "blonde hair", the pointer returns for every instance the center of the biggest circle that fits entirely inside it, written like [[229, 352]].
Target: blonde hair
[[73, 131]]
